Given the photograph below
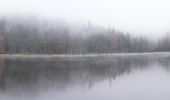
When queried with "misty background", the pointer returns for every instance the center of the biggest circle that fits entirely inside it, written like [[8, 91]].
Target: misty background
[[139, 17], [84, 26]]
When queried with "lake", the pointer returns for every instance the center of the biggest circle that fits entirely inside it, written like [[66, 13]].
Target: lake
[[134, 77]]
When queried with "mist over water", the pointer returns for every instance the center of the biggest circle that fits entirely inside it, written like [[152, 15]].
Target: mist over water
[[92, 78], [84, 49]]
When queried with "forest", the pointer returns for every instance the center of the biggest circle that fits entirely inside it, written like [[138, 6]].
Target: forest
[[19, 35]]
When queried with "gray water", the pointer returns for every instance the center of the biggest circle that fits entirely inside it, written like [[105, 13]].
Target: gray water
[[85, 78]]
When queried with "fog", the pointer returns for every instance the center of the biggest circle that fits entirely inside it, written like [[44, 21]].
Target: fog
[[84, 49], [138, 17]]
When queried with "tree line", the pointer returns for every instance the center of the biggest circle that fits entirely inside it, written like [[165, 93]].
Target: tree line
[[35, 36]]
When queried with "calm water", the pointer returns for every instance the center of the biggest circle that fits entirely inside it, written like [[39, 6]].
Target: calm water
[[85, 78]]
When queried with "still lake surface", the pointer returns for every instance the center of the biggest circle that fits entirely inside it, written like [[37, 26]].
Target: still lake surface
[[85, 78]]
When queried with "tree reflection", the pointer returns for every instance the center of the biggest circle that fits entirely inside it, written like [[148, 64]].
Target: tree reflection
[[63, 73]]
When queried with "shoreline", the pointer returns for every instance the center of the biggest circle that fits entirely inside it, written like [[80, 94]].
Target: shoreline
[[87, 55]]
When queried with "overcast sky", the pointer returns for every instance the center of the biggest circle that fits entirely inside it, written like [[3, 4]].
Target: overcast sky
[[148, 17]]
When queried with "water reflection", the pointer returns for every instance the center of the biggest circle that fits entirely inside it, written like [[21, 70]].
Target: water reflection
[[36, 76]]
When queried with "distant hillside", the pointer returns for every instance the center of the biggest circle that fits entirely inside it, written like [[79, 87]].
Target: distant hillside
[[34, 36]]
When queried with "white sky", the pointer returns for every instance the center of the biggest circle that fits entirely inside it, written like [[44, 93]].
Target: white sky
[[151, 17]]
